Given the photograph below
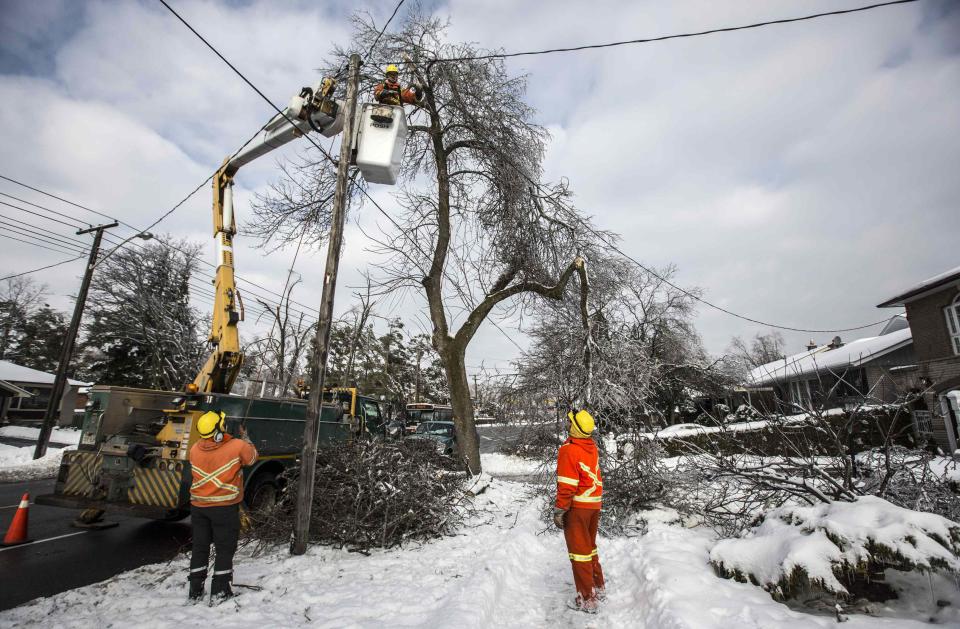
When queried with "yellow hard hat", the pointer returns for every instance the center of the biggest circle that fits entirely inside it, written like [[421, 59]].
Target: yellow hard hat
[[211, 422], [581, 423], [391, 68]]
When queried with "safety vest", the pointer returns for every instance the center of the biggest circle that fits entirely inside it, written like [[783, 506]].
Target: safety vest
[[579, 481], [218, 471]]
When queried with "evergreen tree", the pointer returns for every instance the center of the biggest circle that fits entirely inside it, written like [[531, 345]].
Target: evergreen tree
[[142, 330]]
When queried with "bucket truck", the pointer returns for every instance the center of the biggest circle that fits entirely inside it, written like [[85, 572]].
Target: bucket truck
[[133, 451]]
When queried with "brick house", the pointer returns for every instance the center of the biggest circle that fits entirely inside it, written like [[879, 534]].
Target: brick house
[[869, 370], [933, 311]]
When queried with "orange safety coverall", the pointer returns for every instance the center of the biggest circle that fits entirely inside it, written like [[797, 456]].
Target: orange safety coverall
[[580, 493], [218, 471], [392, 94]]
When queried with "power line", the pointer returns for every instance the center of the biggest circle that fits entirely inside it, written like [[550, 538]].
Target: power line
[[35, 244], [241, 279], [42, 268], [647, 40], [382, 30]]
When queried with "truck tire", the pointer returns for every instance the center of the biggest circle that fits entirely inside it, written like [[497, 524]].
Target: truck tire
[[262, 492]]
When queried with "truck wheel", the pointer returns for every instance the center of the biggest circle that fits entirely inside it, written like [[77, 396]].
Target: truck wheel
[[263, 492]]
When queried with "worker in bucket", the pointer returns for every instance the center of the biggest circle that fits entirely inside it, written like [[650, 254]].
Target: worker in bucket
[[577, 508], [217, 462], [389, 93]]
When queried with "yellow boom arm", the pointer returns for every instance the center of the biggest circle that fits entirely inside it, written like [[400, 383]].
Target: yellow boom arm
[[311, 110]]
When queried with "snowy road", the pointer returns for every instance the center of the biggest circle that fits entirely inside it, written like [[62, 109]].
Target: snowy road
[[504, 569], [62, 557]]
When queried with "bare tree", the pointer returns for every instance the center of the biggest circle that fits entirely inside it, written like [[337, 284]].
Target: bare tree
[[760, 350], [476, 228], [19, 297], [282, 351], [646, 356]]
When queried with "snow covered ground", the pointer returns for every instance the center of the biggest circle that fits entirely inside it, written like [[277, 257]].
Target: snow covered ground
[[67, 436], [504, 569], [497, 464], [17, 463]]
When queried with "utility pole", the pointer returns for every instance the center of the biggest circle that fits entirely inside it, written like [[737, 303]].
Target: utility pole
[[66, 352], [416, 386], [476, 389], [311, 429]]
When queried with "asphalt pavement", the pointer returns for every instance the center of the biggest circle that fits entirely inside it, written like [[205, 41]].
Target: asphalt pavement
[[62, 557], [492, 436]]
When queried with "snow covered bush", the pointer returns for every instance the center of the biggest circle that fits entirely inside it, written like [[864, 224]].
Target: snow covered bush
[[836, 547], [372, 494]]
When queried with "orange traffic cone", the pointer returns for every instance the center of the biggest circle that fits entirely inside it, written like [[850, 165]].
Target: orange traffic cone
[[17, 533]]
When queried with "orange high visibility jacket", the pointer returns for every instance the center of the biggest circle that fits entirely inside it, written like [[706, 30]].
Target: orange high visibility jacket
[[393, 95], [218, 471], [579, 482]]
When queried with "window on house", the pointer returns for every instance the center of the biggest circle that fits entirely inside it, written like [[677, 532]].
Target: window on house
[[952, 313]]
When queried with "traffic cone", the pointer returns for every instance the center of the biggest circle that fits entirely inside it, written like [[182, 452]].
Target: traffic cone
[[17, 533]]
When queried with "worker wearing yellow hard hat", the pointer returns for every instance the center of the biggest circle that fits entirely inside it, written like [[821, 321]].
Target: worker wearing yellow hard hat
[[389, 91], [577, 507], [216, 462]]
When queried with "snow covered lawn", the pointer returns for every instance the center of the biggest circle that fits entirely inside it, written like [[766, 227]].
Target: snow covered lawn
[[504, 569], [66, 436], [16, 462]]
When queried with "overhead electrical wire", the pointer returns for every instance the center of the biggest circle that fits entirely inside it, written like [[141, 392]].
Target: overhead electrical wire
[[648, 40], [35, 244], [130, 242], [42, 268]]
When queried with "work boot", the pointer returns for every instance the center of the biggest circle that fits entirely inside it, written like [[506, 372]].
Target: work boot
[[196, 590], [220, 589], [589, 605], [600, 593]]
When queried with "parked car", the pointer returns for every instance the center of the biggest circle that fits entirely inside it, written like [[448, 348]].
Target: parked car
[[441, 432]]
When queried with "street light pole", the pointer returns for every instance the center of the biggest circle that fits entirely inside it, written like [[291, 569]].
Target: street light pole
[[66, 352], [311, 429]]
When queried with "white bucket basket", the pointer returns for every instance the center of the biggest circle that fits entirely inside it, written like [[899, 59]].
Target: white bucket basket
[[379, 142]]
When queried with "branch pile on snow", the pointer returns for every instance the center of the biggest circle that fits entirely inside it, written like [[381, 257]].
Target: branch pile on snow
[[915, 479], [633, 479], [837, 547], [372, 494]]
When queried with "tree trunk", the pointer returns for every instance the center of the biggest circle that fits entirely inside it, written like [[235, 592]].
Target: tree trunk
[[468, 445]]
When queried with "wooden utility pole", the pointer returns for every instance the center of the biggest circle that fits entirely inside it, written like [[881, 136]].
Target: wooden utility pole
[[416, 386], [311, 429], [476, 389], [66, 352]]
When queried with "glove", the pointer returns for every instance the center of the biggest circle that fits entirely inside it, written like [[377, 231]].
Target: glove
[[560, 517]]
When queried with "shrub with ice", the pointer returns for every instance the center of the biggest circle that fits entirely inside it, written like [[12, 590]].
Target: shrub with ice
[[832, 547]]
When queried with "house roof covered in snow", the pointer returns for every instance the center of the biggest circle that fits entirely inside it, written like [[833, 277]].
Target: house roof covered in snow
[[12, 372], [923, 288], [824, 359], [13, 390]]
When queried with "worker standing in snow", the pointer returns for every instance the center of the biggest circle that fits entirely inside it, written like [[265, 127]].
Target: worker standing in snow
[[217, 462], [577, 508], [389, 93]]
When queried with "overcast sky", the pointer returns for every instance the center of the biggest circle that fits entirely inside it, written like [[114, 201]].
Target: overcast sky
[[799, 174]]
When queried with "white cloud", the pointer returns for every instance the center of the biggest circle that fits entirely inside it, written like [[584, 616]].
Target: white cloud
[[799, 173]]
